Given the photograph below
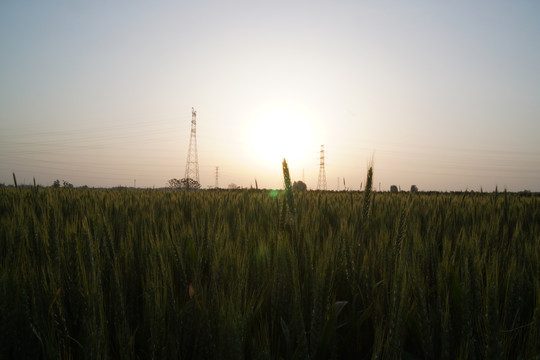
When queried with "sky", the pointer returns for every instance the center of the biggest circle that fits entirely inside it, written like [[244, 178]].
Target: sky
[[442, 95]]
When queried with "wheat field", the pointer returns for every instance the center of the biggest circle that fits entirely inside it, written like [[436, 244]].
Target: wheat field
[[261, 274]]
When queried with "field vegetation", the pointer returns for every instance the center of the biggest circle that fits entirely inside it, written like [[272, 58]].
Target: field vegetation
[[261, 274]]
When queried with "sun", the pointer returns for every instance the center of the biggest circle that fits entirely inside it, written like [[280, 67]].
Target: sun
[[280, 133]]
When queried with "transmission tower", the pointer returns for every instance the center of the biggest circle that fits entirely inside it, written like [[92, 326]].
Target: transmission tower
[[192, 164], [321, 184], [217, 177]]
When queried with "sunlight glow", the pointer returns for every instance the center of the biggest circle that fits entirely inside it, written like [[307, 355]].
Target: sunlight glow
[[280, 133]]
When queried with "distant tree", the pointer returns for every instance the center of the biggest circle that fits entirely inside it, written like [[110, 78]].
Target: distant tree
[[184, 184], [190, 184], [414, 188], [394, 189], [67, 185], [56, 183], [233, 186], [174, 183], [299, 186]]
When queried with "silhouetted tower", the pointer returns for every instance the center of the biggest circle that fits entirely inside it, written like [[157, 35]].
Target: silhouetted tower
[[321, 184], [338, 183], [217, 177], [192, 164]]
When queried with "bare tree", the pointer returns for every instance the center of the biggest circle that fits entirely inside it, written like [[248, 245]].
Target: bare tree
[[184, 184]]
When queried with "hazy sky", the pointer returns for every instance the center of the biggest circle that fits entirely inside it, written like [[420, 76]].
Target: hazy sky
[[442, 95]]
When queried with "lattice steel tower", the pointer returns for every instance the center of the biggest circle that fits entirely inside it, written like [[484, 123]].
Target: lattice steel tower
[[192, 164], [321, 184]]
